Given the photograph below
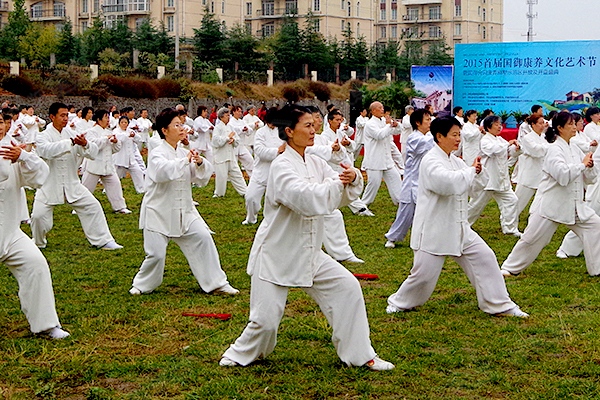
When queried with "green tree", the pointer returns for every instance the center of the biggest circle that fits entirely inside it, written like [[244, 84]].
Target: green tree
[[209, 39], [412, 54], [36, 45], [241, 46], [316, 52], [93, 41], [120, 38], [384, 58], [68, 45], [150, 39], [17, 26], [353, 53], [287, 51], [438, 53]]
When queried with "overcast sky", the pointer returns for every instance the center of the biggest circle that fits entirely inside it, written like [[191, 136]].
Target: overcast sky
[[556, 20]]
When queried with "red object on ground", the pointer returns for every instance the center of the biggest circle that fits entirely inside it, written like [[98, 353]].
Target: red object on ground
[[366, 277], [222, 317]]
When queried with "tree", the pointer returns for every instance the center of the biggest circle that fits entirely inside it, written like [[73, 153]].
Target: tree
[[147, 38], [209, 39], [287, 51], [353, 52], [68, 45], [38, 42], [384, 57], [241, 46], [316, 52], [412, 54], [17, 26], [93, 41], [120, 38], [438, 54]]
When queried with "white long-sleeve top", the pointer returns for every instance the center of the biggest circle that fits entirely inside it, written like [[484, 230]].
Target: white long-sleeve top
[[440, 226], [300, 191], [224, 151], [63, 159], [103, 163], [202, 132], [405, 130], [559, 196], [378, 155], [238, 125], [592, 130], [167, 206], [417, 146], [32, 124], [125, 156], [360, 129], [531, 160], [495, 152], [470, 141], [145, 126], [322, 149], [29, 170], [251, 121], [266, 149], [346, 153], [583, 141], [83, 126]]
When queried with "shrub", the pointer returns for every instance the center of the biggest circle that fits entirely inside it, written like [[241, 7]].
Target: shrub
[[320, 90], [129, 87], [293, 92], [166, 87], [20, 85]]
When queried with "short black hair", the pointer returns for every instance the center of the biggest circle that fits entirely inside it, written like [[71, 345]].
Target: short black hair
[[418, 116], [99, 114], [54, 107], [442, 126]]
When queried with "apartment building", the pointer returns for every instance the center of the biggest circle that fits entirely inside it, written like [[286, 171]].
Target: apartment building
[[456, 21]]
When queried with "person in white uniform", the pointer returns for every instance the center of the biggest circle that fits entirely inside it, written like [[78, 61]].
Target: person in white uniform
[[62, 149], [167, 212], [495, 154], [24, 260], [202, 132], [237, 124], [145, 126], [253, 123], [102, 166], [592, 129], [224, 142], [533, 146], [286, 252], [470, 138], [406, 129], [359, 139], [560, 200], [418, 144], [85, 123], [378, 156], [441, 229], [125, 159], [267, 147]]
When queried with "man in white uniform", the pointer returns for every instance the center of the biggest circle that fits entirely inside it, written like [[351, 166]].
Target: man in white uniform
[[237, 124], [224, 142], [202, 132], [253, 123]]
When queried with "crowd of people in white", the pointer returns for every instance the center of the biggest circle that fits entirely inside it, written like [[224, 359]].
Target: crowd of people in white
[[444, 174]]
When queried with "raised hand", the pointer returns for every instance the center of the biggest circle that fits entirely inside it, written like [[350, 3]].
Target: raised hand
[[348, 175]]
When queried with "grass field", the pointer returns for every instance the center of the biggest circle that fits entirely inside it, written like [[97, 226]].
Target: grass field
[[141, 347]]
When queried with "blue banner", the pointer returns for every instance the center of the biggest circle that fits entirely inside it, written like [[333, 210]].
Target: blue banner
[[435, 86], [514, 76]]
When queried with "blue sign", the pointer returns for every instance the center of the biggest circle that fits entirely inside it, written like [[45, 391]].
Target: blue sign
[[435, 86], [514, 76]]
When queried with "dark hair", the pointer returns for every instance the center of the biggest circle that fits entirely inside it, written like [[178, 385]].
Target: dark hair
[[23, 107], [552, 113], [591, 111], [115, 113], [200, 109], [576, 117], [470, 112], [486, 112], [535, 108], [163, 120], [69, 107], [235, 108], [270, 115], [85, 111], [418, 116], [315, 110], [442, 126], [330, 107], [560, 119], [181, 112], [456, 109], [123, 117], [489, 121], [288, 117], [125, 110], [333, 113], [54, 107], [533, 119], [99, 114]]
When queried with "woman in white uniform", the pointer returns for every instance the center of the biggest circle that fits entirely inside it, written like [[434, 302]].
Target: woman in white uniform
[[302, 189], [124, 159], [559, 200], [167, 212]]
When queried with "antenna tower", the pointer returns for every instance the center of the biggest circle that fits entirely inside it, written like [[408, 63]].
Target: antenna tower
[[530, 16]]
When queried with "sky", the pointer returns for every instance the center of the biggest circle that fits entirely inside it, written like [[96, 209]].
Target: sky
[[556, 20]]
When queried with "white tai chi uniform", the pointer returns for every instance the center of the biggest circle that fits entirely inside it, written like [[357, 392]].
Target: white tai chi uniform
[[470, 139], [359, 138], [23, 259], [254, 124], [103, 168], [241, 151], [531, 160], [495, 152], [63, 185], [559, 200], [266, 148], [378, 160], [441, 229], [226, 166], [201, 138], [592, 130], [125, 158], [405, 130], [167, 213], [417, 146], [287, 253], [134, 126], [145, 126]]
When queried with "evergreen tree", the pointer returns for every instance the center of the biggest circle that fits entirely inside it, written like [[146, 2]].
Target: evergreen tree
[[241, 46], [120, 38], [316, 51], [68, 45], [36, 45], [287, 51], [93, 41], [438, 53], [17, 26], [209, 39]]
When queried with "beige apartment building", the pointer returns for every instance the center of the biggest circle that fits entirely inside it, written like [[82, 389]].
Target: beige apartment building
[[456, 21]]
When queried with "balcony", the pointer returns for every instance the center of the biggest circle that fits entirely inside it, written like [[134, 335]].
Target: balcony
[[420, 2], [52, 14], [3, 6], [271, 12], [169, 10], [128, 7], [423, 18]]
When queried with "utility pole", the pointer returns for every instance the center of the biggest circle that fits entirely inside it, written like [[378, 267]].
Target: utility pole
[[176, 23], [530, 16]]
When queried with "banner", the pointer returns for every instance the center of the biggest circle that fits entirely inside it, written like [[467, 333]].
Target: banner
[[514, 76], [435, 85]]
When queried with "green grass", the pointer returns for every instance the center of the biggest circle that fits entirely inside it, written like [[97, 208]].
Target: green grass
[[142, 348]]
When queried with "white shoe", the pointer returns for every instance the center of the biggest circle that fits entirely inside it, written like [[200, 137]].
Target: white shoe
[[57, 333], [135, 291], [389, 244], [377, 364], [561, 254], [123, 211], [365, 213], [390, 309], [26, 221], [354, 259], [516, 234], [246, 222], [73, 212], [112, 245], [506, 273], [195, 203], [227, 289], [513, 312], [226, 362], [215, 196]]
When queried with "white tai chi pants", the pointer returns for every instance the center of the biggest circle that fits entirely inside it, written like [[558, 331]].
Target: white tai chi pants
[[137, 176], [112, 185], [26, 262], [335, 239], [229, 170], [90, 214], [524, 194], [392, 180], [478, 262], [402, 223], [340, 298], [198, 248], [539, 232], [254, 195], [24, 211], [507, 202], [357, 205], [244, 156]]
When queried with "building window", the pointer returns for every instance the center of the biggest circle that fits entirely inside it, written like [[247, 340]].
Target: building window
[[343, 4], [138, 23], [479, 10], [394, 32], [170, 23], [316, 5], [203, 2], [84, 6], [483, 15], [291, 7], [59, 9], [139, 5], [268, 7], [170, 3], [36, 10], [479, 28], [248, 26], [113, 6], [394, 14], [223, 7], [483, 33], [317, 25], [111, 21], [212, 7], [343, 25], [349, 9], [357, 29], [268, 30], [435, 32], [84, 26], [457, 10], [457, 30], [249, 8], [382, 14], [435, 12], [358, 8], [96, 5], [382, 33], [492, 15], [412, 13]]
